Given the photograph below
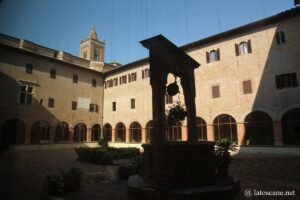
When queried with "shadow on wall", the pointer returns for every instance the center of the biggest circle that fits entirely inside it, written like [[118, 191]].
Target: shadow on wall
[[27, 121]]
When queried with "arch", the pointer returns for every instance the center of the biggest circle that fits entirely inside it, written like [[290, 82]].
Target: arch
[[201, 128], [107, 132], [258, 129], [13, 132], [120, 132], [225, 127], [174, 132], [149, 131], [80, 132], [62, 132], [135, 130], [290, 123], [40, 132], [96, 132]]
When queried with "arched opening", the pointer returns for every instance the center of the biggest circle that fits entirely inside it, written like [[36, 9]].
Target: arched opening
[[258, 129], [96, 132], [107, 132], [149, 131], [62, 133], [80, 132], [174, 132], [13, 132], [201, 129], [40, 132], [225, 127], [120, 132], [291, 127], [135, 131]]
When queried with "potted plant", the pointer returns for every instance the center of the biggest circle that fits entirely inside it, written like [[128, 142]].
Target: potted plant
[[176, 113], [223, 157]]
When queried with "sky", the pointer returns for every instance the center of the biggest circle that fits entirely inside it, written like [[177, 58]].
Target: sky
[[61, 24]]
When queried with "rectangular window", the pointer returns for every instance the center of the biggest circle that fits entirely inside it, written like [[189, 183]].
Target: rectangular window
[[51, 102], [145, 73], [280, 37], [114, 106], [26, 94], [169, 99], [215, 91], [247, 87], [286, 81], [132, 103], [74, 105], [93, 108]]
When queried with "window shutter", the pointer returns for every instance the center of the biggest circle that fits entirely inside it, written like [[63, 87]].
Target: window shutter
[[143, 74], [207, 57], [237, 52], [249, 46], [91, 107], [282, 36], [218, 54]]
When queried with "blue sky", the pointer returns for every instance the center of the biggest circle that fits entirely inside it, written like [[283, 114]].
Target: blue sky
[[60, 24]]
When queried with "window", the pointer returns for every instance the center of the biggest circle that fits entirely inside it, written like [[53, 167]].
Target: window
[[115, 82], [94, 108], [26, 94], [114, 106], [280, 37], [75, 78], [94, 83], [96, 56], [286, 81], [213, 55], [243, 48], [109, 83], [132, 103], [247, 87], [85, 55], [145, 73], [74, 105], [215, 91], [132, 77], [225, 126], [29, 68], [123, 79], [51, 102], [169, 99], [53, 73]]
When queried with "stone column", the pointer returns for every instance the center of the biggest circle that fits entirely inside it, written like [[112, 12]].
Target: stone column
[[184, 134], [89, 135], [113, 135], [27, 134], [144, 135], [210, 133], [240, 133], [277, 133], [71, 134]]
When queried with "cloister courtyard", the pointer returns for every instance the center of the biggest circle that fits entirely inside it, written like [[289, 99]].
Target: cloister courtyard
[[22, 174]]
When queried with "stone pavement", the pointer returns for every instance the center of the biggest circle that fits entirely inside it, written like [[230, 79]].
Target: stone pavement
[[22, 174]]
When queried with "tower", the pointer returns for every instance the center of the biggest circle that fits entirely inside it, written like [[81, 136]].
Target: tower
[[92, 49]]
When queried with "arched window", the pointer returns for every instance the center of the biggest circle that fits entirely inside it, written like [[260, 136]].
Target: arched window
[[107, 132], [243, 48], [80, 132], [62, 132], [225, 127], [53, 73], [213, 56], [96, 132], [291, 127], [120, 132], [259, 129], [13, 132], [174, 132], [201, 129], [75, 78], [94, 83], [40, 132], [135, 132], [149, 131]]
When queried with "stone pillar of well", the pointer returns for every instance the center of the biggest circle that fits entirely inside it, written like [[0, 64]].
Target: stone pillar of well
[[210, 133], [27, 134], [277, 133], [240, 133]]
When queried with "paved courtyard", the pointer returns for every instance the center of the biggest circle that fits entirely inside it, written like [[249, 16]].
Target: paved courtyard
[[22, 174]]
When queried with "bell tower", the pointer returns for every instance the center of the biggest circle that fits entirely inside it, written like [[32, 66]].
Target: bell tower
[[92, 49]]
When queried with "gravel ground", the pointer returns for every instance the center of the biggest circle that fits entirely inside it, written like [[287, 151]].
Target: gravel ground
[[22, 174]]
